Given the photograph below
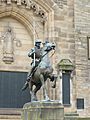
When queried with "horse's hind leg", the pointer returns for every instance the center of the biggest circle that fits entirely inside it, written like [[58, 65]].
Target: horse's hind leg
[[38, 86], [32, 93], [44, 88]]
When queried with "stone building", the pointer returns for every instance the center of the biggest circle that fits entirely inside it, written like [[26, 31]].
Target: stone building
[[65, 22]]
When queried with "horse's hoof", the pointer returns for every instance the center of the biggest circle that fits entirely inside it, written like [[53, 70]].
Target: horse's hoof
[[34, 100], [47, 99]]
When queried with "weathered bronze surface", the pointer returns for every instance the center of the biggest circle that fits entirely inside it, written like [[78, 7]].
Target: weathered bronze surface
[[41, 69]]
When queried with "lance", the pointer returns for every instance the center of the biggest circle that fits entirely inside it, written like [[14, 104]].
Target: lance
[[34, 38]]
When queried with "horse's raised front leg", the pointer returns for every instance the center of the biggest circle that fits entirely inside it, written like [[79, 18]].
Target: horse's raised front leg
[[45, 95]]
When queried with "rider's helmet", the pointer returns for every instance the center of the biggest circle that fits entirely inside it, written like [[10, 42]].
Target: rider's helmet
[[37, 43], [45, 42]]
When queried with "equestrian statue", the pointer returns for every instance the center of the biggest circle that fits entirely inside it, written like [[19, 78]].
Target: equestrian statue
[[41, 69]]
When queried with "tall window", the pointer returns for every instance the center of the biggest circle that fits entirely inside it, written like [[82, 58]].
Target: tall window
[[66, 88]]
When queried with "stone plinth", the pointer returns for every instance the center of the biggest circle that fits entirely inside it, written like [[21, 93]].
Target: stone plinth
[[52, 110]]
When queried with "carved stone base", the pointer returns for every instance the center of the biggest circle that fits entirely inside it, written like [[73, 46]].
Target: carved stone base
[[43, 110]]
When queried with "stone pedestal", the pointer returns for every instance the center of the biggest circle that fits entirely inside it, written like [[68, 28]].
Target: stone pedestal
[[41, 110]]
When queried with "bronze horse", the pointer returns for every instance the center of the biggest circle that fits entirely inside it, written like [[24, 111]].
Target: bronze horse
[[41, 73]]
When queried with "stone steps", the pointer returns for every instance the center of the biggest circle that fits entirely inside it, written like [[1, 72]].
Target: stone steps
[[74, 116], [10, 117], [10, 114]]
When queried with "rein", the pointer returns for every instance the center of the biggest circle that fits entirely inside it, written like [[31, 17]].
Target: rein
[[53, 53]]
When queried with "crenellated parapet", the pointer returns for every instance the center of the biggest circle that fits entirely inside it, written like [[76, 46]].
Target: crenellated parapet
[[29, 4]]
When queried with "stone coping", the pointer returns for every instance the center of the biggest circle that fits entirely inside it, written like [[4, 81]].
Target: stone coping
[[10, 111], [43, 104]]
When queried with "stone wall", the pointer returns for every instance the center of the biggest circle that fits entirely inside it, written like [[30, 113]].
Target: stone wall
[[72, 26], [64, 38], [82, 30]]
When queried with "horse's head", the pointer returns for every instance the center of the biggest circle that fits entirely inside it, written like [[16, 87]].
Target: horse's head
[[49, 46], [53, 46]]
